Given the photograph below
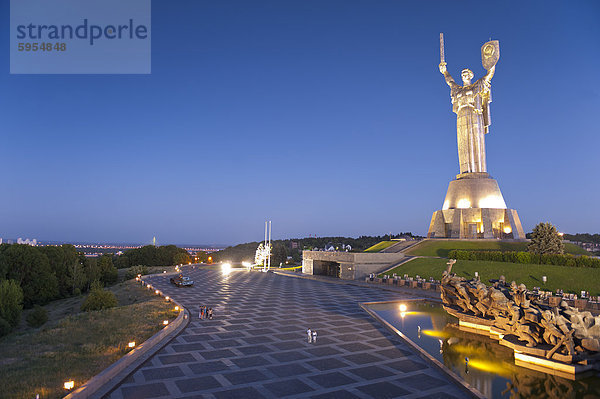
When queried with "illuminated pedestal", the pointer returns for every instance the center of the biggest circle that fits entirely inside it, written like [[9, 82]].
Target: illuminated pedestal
[[474, 208]]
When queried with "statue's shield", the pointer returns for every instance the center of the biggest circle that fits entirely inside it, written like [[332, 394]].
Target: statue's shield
[[490, 54]]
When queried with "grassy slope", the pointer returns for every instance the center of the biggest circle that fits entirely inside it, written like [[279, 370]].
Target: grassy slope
[[78, 346], [569, 279], [443, 247], [380, 246]]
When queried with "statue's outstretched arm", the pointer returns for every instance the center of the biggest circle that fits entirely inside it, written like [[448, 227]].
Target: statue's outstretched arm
[[490, 74], [449, 81]]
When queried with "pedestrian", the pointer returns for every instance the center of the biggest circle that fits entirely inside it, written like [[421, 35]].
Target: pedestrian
[[200, 313], [314, 337], [309, 333], [210, 313]]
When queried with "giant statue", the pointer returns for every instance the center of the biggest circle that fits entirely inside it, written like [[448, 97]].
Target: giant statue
[[474, 206]]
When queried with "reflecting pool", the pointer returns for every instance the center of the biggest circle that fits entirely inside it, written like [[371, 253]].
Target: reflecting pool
[[479, 360]]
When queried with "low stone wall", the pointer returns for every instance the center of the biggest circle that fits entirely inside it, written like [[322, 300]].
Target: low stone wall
[[102, 383], [424, 285]]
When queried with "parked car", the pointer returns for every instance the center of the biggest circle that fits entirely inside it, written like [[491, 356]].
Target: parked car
[[182, 281]]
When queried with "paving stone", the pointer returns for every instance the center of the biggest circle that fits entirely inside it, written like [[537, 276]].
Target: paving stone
[[180, 358], [383, 390], [145, 391], [288, 370], [252, 350], [362, 358], [207, 367], [217, 354], [250, 361], [327, 364], [371, 372], [239, 393], [197, 384], [196, 346], [288, 356], [244, 377], [341, 394], [422, 382], [320, 351], [288, 387], [331, 380], [162, 373], [406, 366]]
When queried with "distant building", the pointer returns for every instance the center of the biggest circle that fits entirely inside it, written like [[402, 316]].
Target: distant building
[[27, 241]]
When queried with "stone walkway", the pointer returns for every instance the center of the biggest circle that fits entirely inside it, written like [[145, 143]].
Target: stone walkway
[[256, 346]]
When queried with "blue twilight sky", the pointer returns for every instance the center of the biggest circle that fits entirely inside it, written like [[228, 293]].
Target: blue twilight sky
[[326, 117]]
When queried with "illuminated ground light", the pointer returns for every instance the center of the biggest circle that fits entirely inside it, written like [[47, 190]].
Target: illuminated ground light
[[131, 344], [165, 322], [403, 308], [226, 268], [507, 230], [167, 298], [176, 307], [68, 385], [157, 292]]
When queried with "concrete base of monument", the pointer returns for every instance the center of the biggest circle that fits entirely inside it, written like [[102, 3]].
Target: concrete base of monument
[[534, 358], [474, 208]]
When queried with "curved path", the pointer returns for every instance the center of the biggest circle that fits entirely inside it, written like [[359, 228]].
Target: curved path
[[256, 346]]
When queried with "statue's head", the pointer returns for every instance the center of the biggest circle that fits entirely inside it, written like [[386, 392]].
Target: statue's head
[[467, 75]]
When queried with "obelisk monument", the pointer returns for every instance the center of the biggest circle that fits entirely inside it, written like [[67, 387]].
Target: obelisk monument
[[474, 206]]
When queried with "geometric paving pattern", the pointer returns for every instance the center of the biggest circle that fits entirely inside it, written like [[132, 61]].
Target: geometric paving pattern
[[256, 345]]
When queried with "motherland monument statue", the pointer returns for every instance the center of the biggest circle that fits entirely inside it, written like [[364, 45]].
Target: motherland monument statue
[[474, 206]]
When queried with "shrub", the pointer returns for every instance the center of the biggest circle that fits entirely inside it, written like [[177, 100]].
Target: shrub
[[523, 257], [99, 299], [4, 327], [37, 317], [526, 258], [133, 271], [11, 302]]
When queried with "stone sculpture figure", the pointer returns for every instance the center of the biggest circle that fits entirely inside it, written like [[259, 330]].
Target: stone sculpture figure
[[516, 311]]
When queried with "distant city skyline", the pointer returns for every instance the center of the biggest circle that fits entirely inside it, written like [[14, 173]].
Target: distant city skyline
[[327, 118]]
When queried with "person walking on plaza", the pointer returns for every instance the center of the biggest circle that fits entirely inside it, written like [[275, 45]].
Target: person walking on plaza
[[314, 337], [309, 333], [200, 313], [210, 313]]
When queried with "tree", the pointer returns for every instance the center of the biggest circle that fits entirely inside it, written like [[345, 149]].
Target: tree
[[279, 255], [545, 240], [108, 272], [181, 258], [201, 256], [30, 268], [11, 302], [99, 299]]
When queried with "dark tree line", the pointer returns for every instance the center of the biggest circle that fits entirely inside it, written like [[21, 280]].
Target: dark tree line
[[151, 255], [52, 272]]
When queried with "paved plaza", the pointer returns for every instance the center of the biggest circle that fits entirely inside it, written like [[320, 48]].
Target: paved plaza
[[257, 347]]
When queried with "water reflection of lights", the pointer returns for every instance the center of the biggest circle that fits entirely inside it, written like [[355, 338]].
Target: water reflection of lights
[[437, 334], [489, 366]]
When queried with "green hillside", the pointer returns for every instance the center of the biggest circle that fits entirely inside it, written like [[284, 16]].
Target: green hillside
[[569, 279], [380, 246]]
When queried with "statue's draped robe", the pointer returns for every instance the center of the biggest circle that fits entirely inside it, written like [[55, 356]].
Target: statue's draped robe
[[471, 105]]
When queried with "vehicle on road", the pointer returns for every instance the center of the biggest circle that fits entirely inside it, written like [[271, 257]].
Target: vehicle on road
[[182, 281]]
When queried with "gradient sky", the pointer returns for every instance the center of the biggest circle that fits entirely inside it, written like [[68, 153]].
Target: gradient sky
[[326, 117]]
